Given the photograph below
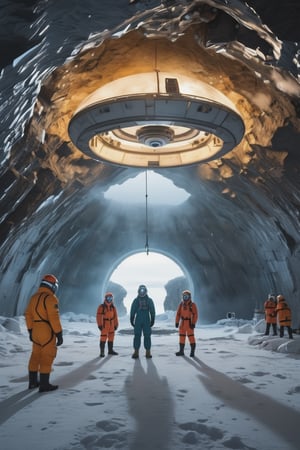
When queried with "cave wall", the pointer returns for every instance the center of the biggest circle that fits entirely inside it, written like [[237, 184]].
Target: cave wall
[[237, 236], [235, 249]]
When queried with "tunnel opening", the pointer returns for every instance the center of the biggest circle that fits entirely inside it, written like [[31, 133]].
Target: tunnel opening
[[155, 270]]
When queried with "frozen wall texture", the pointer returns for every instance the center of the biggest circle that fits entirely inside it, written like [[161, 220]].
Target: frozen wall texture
[[237, 236]]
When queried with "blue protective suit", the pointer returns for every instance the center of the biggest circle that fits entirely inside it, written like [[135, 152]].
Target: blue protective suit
[[142, 318]]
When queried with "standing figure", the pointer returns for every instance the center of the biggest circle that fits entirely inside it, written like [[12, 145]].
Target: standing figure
[[284, 316], [270, 315], [45, 332], [107, 321], [142, 317], [186, 318]]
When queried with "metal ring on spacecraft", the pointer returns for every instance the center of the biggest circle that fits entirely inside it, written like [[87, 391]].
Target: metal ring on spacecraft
[[156, 120]]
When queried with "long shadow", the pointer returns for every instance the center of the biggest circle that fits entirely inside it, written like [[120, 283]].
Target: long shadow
[[80, 374], [277, 417], [16, 402], [150, 403]]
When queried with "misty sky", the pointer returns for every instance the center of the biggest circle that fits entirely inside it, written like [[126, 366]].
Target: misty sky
[[160, 190], [154, 270]]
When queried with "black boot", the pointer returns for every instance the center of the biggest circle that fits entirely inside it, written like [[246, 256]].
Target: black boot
[[193, 346], [102, 345], [135, 354], [33, 380], [181, 352], [281, 331], [45, 386], [110, 349]]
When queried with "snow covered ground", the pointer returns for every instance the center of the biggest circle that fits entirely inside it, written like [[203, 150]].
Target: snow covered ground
[[241, 391]]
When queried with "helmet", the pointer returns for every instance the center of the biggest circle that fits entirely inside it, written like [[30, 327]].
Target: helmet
[[271, 297], [280, 297], [50, 281], [108, 297], [142, 290], [186, 295]]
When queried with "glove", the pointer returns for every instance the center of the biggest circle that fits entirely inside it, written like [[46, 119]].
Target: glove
[[30, 335], [59, 337], [151, 323], [192, 325], [116, 328], [132, 322], [176, 324], [100, 328]]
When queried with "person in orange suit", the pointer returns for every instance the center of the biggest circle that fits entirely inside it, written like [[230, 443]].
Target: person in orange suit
[[186, 319], [107, 321], [284, 316], [45, 332], [270, 315]]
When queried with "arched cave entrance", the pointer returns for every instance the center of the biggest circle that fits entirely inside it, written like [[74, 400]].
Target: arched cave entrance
[[155, 270]]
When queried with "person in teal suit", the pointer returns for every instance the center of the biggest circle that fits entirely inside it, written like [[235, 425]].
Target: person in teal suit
[[142, 318]]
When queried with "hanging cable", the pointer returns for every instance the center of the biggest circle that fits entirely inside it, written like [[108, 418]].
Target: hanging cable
[[146, 217]]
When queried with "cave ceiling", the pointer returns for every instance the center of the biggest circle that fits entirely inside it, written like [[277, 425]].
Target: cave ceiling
[[237, 236]]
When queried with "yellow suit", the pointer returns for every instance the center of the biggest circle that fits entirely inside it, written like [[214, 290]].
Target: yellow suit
[[43, 323]]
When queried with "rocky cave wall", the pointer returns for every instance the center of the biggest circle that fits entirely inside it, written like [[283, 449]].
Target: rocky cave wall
[[235, 250], [237, 236]]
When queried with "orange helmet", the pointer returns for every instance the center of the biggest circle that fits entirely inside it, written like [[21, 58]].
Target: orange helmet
[[50, 281], [186, 295], [108, 297]]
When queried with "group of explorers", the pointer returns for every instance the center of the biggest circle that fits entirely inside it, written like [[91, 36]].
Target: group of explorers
[[278, 313], [142, 318], [46, 333]]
